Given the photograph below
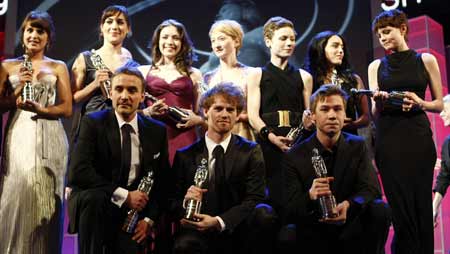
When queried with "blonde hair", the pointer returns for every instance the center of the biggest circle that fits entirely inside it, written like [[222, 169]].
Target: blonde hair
[[230, 28], [275, 23]]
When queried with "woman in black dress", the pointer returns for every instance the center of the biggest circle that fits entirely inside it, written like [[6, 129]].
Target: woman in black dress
[[405, 151], [327, 62]]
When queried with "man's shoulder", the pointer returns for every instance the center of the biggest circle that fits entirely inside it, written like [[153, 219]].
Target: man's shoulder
[[243, 143], [150, 122], [353, 139], [98, 116]]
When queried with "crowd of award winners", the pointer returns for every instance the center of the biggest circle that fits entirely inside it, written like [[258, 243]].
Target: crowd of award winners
[[162, 158]]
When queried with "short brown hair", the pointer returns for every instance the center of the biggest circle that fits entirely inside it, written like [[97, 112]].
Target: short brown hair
[[132, 71], [275, 23], [230, 28], [394, 18], [229, 91], [115, 10], [326, 91], [42, 20]]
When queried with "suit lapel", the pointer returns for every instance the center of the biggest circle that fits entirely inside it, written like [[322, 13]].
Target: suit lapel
[[200, 154], [145, 141], [231, 155], [113, 137], [341, 161]]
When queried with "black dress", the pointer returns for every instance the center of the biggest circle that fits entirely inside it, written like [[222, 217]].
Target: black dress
[[97, 101], [406, 154], [280, 90]]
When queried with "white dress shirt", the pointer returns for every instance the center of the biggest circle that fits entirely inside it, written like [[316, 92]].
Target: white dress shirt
[[120, 194]]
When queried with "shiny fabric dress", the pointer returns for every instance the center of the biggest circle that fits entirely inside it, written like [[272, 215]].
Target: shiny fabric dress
[[405, 155], [32, 178], [241, 128], [180, 93]]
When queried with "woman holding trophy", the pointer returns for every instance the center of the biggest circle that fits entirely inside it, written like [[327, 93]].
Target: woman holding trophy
[[172, 81], [92, 69], [35, 149]]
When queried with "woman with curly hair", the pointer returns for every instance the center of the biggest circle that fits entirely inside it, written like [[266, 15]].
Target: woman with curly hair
[[174, 82], [327, 61]]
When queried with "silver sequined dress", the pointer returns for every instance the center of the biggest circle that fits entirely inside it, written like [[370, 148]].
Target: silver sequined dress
[[32, 178]]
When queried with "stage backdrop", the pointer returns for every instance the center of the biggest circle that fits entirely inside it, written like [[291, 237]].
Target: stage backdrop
[[77, 25]]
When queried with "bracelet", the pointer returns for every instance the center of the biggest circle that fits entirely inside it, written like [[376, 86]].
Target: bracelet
[[264, 133]]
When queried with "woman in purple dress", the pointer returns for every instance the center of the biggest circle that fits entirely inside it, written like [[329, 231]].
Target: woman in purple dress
[[174, 82]]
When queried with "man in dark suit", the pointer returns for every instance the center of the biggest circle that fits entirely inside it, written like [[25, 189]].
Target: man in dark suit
[[232, 218], [362, 220], [115, 149]]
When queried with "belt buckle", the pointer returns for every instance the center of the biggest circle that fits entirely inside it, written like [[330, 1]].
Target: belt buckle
[[283, 118]]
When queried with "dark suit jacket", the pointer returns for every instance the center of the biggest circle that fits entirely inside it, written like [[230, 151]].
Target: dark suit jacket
[[96, 160], [443, 179], [244, 173], [355, 179]]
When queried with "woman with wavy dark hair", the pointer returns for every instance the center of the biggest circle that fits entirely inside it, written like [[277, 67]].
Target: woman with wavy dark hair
[[174, 82], [327, 61], [35, 150]]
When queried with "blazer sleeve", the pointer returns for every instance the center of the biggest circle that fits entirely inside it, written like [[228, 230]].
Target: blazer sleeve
[[158, 196], [298, 203], [82, 172], [366, 188], [178, 177], [443, 179], [254, 191]]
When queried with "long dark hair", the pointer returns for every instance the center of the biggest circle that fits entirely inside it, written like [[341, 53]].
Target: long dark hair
[[184, 58], [316, 62]]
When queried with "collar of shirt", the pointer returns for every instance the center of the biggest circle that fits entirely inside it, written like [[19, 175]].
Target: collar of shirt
[[133, 123], [210, 144]]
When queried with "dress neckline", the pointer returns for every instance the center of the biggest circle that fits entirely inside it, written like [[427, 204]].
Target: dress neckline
[[165, 81]]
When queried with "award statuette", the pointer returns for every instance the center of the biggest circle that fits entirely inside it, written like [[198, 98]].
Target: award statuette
[[175, 113], [327, 203], [201, 176], [145, 186], [98, 63], [28, 90]]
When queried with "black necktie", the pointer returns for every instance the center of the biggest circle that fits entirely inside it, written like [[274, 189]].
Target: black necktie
[[126, 154], [214, 198], [218, 154]]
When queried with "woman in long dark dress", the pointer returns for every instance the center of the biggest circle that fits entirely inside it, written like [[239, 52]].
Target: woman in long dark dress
[[405, 151], [327, 61]]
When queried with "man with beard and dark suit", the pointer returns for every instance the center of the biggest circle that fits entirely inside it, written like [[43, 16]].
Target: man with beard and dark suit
[[362, 220], [232, 218], [116, 148]]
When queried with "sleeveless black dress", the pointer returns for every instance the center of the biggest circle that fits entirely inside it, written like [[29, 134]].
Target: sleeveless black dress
[[406, 154], [97, 101], [280, 90]]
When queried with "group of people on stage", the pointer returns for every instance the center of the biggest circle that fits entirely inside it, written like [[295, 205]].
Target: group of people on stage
[[153, 143]]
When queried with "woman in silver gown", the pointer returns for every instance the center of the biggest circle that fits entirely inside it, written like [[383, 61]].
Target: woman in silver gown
[[35, 149]]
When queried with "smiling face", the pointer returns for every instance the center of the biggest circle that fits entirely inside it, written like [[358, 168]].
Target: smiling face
[[115, 28], [35, 39], [334, 50], [329, 115], [392, 38], [169, 42], [282, 43], [126, 95], [221, 116]]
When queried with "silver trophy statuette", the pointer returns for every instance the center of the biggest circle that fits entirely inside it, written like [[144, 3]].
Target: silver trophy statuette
[[98, 63], [327, 203], [28, 90], [145, 186], [200, 177]]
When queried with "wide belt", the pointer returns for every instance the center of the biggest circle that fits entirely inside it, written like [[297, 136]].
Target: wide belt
[[282, 118]]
